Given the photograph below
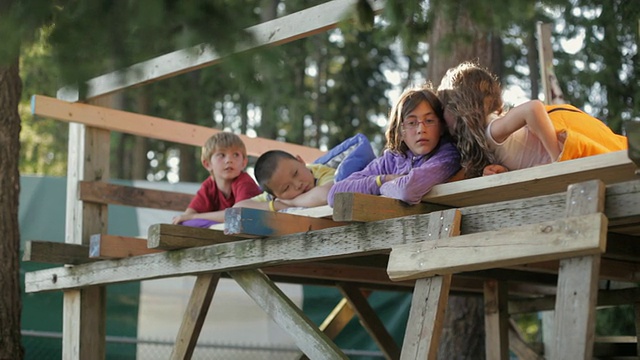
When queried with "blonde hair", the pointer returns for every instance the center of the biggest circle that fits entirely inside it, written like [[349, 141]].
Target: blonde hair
[[407, 102], [222, 141], [470, 93]]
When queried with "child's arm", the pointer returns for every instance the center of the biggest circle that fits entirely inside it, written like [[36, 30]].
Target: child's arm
[[533, 114], [253, 204], [190, 214], [314, 197]]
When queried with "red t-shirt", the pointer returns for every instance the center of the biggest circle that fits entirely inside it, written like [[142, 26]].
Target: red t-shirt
[[209, 198]]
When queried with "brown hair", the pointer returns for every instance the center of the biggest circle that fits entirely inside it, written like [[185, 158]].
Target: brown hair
[[470, 93], [407, 102]]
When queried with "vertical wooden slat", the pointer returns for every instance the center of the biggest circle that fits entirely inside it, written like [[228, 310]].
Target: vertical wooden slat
[[577, 283], [84, 310], [430, 296], [496, 319]]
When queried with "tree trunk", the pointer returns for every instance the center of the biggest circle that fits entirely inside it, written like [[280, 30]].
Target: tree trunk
[[455, 41], [10, 301]]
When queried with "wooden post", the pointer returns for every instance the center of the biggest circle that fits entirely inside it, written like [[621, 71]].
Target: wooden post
[[496, 319], [578, 283], [84, 310], [550, 86], [430, 297]]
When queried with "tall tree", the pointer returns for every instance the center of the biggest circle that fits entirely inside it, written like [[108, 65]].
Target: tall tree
[[10, 301]]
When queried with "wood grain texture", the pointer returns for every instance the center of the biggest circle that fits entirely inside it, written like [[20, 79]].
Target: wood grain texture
[[506, 247], [104, 246], [365, 208], [553, 178], [171, 237], [105, 193], [52, 252], [253, 222]]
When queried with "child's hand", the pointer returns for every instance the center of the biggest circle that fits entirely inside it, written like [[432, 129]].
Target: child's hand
[[493, 169], [180, 218]]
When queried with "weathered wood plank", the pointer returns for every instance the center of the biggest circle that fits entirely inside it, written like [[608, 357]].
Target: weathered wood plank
[[365, 208], [430, 296], [105, 193], [103, 246], [170, 237], [83, 311], [574, 325], [153, 127], [314, 343], [501, 248], [253, 222], [279, 31], [370, 321], [496, 319], [52, 252], [540, 180], [351, 240], [194, 316]]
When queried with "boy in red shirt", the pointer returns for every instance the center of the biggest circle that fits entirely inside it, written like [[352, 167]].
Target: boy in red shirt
[[224, 155]]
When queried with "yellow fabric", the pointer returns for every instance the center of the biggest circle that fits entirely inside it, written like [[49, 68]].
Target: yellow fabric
[[583, 135], [322, 173]]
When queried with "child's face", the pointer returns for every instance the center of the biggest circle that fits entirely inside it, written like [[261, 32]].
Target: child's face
[[226, 164], [290, 179], [421, 129]]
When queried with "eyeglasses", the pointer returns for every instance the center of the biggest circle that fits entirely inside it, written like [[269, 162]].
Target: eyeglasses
[[413, 124]]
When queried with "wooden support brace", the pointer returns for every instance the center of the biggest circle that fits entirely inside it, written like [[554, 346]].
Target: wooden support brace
[[52, 252], [365, 208], [574, 236], [194, 316], [430, 296], [574, 327], [370, 321], [105, 193], [103, 246], [253, 222], [313, 342], [171, 237], [496, 319]]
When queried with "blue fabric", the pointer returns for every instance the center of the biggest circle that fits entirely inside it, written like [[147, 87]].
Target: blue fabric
[[349, 156]]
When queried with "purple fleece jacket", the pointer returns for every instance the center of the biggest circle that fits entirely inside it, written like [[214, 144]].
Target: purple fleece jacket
[[422, 173]]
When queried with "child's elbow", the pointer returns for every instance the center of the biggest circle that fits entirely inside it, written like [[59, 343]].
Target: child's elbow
[[408, 196]]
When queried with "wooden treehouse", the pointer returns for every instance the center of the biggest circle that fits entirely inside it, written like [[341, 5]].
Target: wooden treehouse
[[529, 240]]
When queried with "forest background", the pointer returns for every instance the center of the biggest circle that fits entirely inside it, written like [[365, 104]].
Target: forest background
[[315, 91]]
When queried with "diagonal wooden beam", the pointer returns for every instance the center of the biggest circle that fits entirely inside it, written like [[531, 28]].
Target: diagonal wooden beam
[[313, 342]]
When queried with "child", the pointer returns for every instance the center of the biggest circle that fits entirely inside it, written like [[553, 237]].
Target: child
[[417, 156], [225, 157], [492, 141], [288, 182]]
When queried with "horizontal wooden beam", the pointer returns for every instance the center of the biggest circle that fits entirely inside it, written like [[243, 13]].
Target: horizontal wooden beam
[[153, 127], [352, 240], [365, 208], [278, 31], [540, 180], [253, 222], [105, 193], [574, 236], [171, 237], [103, 246], [605, 298], [52, 252]]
